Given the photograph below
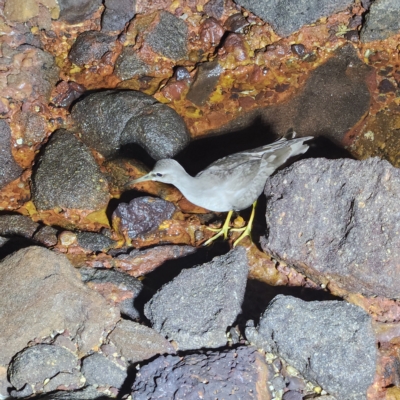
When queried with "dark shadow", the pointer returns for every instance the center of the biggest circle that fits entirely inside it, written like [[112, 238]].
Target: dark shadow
[[171, 268], [16, 243], [258, 295]]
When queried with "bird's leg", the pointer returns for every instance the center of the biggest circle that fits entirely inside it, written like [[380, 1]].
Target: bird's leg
[[247, 229], [222, 231]]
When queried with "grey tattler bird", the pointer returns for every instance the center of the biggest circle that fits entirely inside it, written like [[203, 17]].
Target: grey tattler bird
[[231, 183]]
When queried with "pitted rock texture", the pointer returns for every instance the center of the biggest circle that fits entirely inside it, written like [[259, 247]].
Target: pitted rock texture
[[42, 294], [129, 65], [288, 16], [40, 362], [338, 221], [206, 79], [9, 169], [197, 307], [238, 374], [15, 224], [169, 37], [136, 342], [381, 21], [99, 370], [87, 393], [117, 287], [94, 241], [90, 46], [39, 69], [117, 14], [110, 119], [142, 215], [68, 176], [331, 343], [75, 11]]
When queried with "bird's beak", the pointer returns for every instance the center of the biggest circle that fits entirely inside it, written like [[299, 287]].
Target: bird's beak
[[144, 178]]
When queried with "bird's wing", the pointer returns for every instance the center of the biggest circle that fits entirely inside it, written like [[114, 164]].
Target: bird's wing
[[236, 160]]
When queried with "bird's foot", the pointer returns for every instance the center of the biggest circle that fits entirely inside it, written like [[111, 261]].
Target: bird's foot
[[220, 231], [246, 232]]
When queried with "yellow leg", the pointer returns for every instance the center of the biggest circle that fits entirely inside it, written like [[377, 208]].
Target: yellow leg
[[247, 229], [222, 231]]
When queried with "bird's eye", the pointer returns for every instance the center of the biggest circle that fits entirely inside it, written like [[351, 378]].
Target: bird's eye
[[158, 174]]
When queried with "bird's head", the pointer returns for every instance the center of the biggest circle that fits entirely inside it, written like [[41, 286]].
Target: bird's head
[[166, 171]]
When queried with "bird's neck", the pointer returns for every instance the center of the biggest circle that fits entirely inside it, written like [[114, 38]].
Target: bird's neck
[[189, 186]]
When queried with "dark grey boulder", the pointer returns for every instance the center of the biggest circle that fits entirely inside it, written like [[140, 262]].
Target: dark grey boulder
[[169, 37], [129, 65], [116, 14], [381, 21], [197, 307], [338, 221], [90, 46], [115, 281], [288, 16], [236, 374], [40, 362], [331, 343], [9, 169], [75, 11], [94, 241], [107, 120], [99, 370], [67, 176]]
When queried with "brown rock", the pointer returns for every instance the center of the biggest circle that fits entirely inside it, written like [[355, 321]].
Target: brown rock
[[41, 294], [137, 342], [21, 10]]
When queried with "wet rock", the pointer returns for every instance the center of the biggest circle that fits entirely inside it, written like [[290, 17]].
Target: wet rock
[[37, 363], [169, 37], [46, 235], [239, 373], [298, 49], [381, 21], [68, 176], [33, 127], [94, 241], [288, 16], [90, 46], [38, 68], [336, 91], [137, 342], [211, 33], [75, 11], [385, 86], [206, 79], [32, 282], [342, 220], [129, 65], [191, 312], [99, 370], [142, 215], [67, 93], [16, 224], [117, 287], [117, 14], [141, 262], [9, 169], [214, 8], [110, 119], [337, 348], [236, 23]]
